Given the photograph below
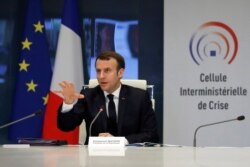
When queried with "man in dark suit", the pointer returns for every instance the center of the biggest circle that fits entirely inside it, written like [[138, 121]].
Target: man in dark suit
[[125, 110]]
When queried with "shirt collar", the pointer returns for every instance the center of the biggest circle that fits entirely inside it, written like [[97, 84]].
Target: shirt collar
[[116, 93]]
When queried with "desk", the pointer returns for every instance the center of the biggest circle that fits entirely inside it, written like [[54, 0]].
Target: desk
[[78, 156]]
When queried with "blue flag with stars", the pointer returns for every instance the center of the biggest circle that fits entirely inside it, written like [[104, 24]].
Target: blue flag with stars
[[33, 76]]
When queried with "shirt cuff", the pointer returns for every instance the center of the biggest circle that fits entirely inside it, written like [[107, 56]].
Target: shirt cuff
[[66, 107]]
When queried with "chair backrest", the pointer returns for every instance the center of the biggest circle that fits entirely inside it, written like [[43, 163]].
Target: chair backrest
[[138, 83]]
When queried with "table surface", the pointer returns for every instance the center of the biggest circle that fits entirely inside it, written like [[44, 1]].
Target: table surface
[[80, 156]]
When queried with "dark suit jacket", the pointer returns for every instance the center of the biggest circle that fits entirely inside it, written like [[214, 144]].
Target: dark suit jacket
[[136, 118]]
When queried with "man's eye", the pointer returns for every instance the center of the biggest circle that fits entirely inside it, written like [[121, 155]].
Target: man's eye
[[107, 70]]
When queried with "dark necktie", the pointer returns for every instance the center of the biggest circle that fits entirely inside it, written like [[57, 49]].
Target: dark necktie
[[112, 125]]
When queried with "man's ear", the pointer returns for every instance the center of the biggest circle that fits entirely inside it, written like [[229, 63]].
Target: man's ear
[[121, 72]]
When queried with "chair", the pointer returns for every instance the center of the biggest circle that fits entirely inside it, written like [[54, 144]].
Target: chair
[[138, 83]]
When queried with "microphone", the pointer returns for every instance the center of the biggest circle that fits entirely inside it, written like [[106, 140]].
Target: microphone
[[38, 112], [92, 122], [239, 118]]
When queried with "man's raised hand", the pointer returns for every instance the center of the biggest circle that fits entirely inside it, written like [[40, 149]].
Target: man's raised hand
[[69, 93]]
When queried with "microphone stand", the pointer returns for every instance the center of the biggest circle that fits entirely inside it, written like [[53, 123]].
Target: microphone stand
[[238, 118], [90, 126], [21, 119]]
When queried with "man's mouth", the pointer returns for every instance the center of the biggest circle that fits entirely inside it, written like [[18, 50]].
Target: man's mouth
[[103, 83]]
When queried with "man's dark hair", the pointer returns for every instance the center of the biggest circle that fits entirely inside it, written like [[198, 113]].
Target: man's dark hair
[[107, 55]]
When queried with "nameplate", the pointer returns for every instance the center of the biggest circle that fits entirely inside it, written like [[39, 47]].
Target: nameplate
[[106, 142]]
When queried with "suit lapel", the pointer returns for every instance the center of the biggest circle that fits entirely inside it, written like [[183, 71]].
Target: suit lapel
[[121, 107]]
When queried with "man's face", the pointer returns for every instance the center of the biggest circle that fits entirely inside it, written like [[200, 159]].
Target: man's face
[[107, 74]]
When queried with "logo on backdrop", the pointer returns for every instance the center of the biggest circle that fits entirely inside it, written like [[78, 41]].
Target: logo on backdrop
[[213, 40]]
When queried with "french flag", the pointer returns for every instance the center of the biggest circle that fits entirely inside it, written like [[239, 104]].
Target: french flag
[[68, 67]]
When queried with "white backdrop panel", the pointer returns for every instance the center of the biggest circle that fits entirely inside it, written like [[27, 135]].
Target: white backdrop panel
[[221, 49]]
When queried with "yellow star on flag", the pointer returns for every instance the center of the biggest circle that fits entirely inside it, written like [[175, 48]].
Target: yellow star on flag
[[31, 86], [38, 27], [26, 44], [23, 66], [45, 99]]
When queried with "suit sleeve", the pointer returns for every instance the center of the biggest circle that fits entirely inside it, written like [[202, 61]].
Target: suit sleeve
[[70, 120]]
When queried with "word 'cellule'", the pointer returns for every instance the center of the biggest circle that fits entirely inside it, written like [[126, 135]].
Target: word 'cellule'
[[213, 77]]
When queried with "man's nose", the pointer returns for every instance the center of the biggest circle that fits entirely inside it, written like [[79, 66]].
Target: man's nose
[[102, 75]]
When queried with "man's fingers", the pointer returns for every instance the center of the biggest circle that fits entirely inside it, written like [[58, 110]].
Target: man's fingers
[[105, 135], [76, 95], [68, 91], [66, 84], [79, 96]]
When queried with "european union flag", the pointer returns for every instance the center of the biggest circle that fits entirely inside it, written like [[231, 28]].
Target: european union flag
[[33, 76]]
